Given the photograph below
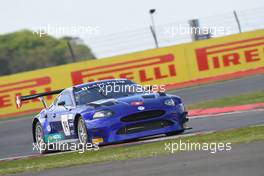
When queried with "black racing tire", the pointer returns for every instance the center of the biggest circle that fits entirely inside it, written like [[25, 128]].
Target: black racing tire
[[39, 138]]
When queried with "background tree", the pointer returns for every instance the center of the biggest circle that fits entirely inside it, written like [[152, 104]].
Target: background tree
[[24, 51]]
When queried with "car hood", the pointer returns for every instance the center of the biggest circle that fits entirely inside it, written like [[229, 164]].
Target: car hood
[[124, 105], [153, 99]]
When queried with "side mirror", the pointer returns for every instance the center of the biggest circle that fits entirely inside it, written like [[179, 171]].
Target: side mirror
[[61, 103], [149, 88]]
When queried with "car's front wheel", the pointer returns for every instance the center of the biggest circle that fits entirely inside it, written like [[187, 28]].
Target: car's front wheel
[[82, 131]]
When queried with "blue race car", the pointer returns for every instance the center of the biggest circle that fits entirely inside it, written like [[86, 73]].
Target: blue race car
[[92, 113]]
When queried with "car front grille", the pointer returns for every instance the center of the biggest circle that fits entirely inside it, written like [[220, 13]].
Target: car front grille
[[144, 127], [142, 115]]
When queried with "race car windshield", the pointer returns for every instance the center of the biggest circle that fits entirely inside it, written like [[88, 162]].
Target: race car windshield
[[88, 95], [121, 90]]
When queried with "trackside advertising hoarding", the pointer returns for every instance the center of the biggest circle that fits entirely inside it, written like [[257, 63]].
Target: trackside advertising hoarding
[[168, 65]]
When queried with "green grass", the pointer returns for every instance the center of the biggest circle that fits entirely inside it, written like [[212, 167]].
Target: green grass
[[248, 98], [242, 135]]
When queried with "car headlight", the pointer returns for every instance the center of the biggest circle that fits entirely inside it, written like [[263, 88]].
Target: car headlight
[[102, 114], [169, 102], [181, 107]]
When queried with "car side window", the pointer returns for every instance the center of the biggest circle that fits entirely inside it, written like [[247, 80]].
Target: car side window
[[66, 97], [56, 100]]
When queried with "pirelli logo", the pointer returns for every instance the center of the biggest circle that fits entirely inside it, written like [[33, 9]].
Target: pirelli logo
[[144, 69], [230, 54], [9, 91]]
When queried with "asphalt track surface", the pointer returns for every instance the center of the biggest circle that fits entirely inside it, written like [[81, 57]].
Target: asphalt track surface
[[221, 89], [16, 137], [242, 160]]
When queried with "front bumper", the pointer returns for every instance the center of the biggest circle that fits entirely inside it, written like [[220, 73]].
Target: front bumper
[[114, 130]]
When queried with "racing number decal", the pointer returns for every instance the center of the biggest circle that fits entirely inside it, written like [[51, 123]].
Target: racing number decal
[[65, 125]]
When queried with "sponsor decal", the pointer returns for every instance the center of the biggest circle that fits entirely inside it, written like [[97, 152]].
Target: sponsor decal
[[141, 108], [53, 137], [65, 125], [48, 128], [136, 103], [230, 54], [97, 140], [11, 91], [134, 68]]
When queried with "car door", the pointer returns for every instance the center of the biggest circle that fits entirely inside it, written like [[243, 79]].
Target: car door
[[61, 115], [65, 114]]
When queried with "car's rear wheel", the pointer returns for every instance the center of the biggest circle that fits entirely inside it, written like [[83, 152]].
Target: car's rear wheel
[[82, 131], [39, 138]]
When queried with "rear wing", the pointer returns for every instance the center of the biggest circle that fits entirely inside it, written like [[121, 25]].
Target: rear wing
[[20, 99]]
